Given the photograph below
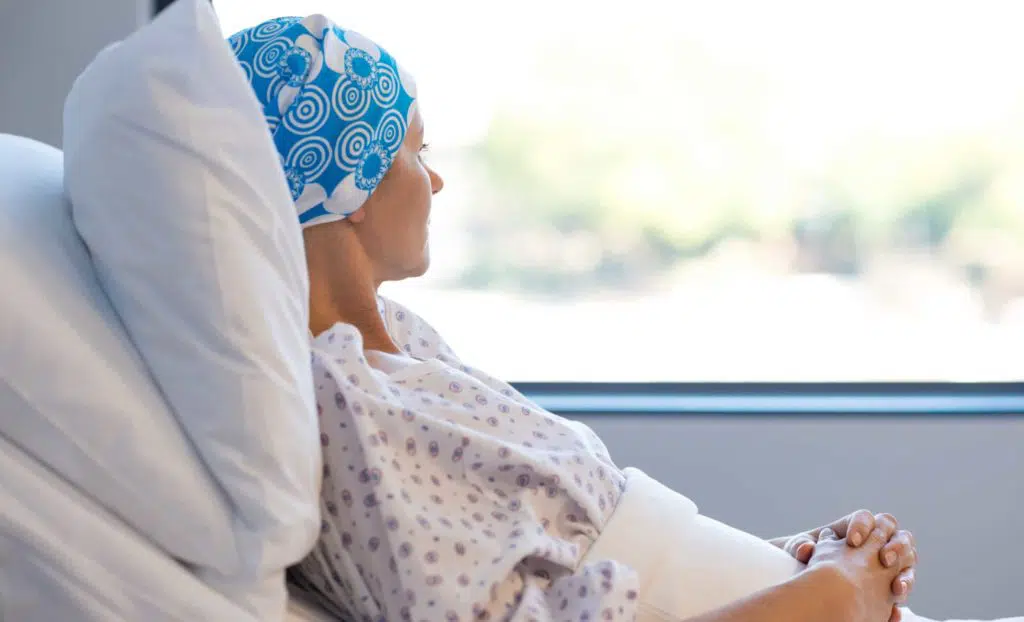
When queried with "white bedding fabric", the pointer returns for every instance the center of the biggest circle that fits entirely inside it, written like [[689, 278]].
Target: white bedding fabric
[[74, 392], [63, 557]]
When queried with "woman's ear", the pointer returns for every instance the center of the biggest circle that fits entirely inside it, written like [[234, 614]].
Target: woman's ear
[[357, 216]]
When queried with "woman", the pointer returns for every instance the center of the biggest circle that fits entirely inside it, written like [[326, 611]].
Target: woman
[[447, 495]]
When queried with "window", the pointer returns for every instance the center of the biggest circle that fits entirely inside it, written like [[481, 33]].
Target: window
[[716, 192]]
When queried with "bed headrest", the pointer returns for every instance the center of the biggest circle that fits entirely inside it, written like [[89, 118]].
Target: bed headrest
[[74, 392]]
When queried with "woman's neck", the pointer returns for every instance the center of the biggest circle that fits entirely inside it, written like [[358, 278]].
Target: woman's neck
[[365, 317], [342, 288]]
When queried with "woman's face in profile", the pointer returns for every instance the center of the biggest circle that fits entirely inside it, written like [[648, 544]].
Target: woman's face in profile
[[392, 224]]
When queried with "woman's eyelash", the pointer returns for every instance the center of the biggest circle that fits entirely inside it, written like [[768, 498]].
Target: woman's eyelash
[[425, 147]]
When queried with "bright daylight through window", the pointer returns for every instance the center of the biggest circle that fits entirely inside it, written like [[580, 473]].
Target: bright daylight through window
[[716, 191]]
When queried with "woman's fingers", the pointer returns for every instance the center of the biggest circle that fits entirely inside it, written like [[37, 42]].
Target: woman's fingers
[[903, 584], [800, 546], [887, 525], [896, 615], [877, 538], [804, 552], [855, 527], [900, 551]]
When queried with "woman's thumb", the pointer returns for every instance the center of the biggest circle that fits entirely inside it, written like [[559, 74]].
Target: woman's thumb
[[804, 552], [800, 546]]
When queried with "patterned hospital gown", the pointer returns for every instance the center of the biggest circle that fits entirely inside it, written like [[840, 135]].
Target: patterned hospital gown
[[447, 495]]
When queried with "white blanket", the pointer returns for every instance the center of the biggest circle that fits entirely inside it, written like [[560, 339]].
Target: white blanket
[[64, 557]]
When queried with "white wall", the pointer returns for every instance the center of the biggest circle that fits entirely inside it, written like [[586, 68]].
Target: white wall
[[958, 483], [44, 45]]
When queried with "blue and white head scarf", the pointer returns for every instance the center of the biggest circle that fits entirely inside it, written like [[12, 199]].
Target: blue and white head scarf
[[337, 105]]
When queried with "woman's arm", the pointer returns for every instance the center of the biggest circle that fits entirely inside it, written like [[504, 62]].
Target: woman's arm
[[842, 584], [818, 594]]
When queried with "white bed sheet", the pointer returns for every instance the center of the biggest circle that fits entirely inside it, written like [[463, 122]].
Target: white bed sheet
[[64, 557]]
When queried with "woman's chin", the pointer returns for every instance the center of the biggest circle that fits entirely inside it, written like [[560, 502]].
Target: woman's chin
[[416, 268], [424, 263], [422, 268]]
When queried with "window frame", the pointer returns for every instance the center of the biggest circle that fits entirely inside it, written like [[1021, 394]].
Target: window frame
[[781, 399]]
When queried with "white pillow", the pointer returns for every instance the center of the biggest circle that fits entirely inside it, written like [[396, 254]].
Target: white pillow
[[179, 194], [74, 392]]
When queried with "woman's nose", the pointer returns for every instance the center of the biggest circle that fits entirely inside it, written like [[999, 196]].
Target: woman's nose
[[436, 182]]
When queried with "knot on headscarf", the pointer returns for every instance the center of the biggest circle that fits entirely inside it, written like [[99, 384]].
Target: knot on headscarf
[[337, 105]]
